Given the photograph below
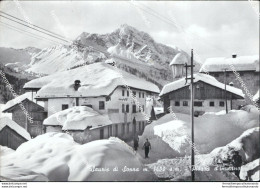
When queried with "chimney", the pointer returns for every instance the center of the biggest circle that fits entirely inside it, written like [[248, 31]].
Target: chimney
[[234, 55], [76, 85]]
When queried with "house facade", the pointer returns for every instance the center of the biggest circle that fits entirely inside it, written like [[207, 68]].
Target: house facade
[[209, 95], [122, 97], [27, 114], [241, 71]]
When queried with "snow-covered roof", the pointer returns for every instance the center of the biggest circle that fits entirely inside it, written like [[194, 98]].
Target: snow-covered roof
[[180, 58], [5, 121], [78, 118], [240, 63], [200, 77], [99, 79], [18, 100], [256, 96]]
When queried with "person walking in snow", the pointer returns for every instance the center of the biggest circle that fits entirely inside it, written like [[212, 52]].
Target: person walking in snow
[[237, 163], [147, 147], [136, 144]]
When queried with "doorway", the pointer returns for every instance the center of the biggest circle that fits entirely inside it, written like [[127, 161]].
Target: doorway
[[101, 133]]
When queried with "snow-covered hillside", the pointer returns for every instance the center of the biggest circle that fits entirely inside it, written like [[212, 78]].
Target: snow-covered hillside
[[20, 56], [54, 59], [59, 158]]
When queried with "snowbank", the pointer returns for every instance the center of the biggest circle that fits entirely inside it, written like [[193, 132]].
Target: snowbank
[[200, 77], [170, 137], [247, 144], [178, 169], [59, 158], [5, 150], [5, 121], [251, 171], [13, 173], [77, 118]]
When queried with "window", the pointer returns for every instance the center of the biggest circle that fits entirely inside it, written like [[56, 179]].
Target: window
[[211, 103], [216, 75], [143, 108], [143, 95], [109, 130], [177, 103], [123, 108], [143, 124], [227, 74], [185, 103], [101, 133], [197, 103], [134, 94], [221, 103], [127, 108], [134, 108], [64, 106], [139, 94], [101, 105], [123, 92], [127, 93], [139, 125]]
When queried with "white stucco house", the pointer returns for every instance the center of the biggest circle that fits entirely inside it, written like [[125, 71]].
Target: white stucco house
[[102, 87]]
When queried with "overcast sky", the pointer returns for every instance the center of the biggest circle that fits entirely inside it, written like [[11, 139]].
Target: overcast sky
[[211, 28]]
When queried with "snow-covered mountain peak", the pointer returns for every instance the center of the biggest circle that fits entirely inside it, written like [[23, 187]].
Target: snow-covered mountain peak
[[139, 50]]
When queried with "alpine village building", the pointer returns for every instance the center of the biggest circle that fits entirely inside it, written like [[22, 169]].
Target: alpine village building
[[240, 71], [210, 94], [103, 88], [26, 113], [12, 135]]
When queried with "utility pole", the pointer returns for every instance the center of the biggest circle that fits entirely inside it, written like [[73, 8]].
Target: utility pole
[[192, 120], [225, 81], [192, 115]]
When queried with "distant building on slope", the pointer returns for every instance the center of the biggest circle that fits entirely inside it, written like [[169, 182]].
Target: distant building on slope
[[102, 87], [177, 65], [23, 108], [209, 95], [12, 135], [246, 69]]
